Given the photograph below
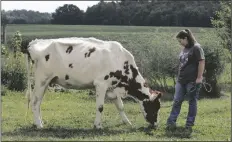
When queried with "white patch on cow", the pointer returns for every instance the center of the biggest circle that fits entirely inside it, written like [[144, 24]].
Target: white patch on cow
[[143, 89]]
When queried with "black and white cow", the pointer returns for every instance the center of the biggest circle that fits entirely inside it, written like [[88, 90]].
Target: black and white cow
[[82, 63]]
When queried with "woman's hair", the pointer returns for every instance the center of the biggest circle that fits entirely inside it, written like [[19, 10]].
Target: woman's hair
[[187, 33]]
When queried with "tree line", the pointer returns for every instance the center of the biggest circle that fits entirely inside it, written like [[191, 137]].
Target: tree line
[[125, 12]]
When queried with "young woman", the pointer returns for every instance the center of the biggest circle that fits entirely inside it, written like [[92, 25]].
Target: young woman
[[190, 75]]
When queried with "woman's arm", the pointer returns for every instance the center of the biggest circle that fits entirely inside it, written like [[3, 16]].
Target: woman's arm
[[201, 68]]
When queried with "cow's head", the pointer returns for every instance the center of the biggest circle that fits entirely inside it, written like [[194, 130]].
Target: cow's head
[[151, 106], [132, 83]]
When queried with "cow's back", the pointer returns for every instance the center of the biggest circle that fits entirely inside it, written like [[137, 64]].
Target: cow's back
[[82, 60]]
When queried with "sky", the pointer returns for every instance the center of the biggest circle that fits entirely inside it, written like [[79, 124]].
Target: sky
[[43, 6]]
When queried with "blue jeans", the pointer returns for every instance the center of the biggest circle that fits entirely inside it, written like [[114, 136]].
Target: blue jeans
[[180, 91]]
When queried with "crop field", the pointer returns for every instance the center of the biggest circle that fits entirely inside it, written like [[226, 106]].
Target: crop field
[[69, 116]]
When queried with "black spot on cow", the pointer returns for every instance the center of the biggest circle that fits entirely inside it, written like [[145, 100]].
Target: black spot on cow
[[130, 85], [106, 77], [70, 65], [53, 81], [32, 61], [111, 74], [69, 49], [86, 55], [114, 82], [100, 108], [134, 71], [126, 67], [118, 74], [47, 57], [66, 77], [91, 50]]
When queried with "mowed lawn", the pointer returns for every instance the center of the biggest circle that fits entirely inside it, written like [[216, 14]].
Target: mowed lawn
[[70, 116]]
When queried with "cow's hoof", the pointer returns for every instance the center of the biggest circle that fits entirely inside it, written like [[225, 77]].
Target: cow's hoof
[[150, 128], [34, 126], [127, 123], [98, 127]]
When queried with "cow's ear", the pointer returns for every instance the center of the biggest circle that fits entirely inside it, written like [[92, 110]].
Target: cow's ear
[[159, 95]]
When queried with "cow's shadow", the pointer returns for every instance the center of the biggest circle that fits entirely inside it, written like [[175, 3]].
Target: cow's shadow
[[62, 132]]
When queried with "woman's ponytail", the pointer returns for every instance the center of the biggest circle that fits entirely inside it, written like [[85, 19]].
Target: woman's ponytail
[[192, 39]]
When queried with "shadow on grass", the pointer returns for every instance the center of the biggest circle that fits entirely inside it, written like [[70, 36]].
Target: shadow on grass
[[62, 132], [180, 132]]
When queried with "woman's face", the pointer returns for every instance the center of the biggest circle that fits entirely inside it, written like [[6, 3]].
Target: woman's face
[[183, 42]]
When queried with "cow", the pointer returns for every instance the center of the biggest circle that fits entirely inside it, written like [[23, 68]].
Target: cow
[[89, 63]]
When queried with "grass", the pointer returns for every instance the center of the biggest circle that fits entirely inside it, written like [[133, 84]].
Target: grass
[[26, 29], [70, 116]]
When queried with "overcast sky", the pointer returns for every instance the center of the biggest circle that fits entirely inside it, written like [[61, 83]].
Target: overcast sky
[[43, 6]]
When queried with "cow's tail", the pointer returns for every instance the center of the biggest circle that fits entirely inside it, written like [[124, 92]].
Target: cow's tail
[[29, 90]]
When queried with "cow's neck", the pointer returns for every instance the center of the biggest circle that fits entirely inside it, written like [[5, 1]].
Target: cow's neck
[[139, 96]]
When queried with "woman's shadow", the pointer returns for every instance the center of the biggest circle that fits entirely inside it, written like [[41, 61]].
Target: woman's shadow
[[179, 131]]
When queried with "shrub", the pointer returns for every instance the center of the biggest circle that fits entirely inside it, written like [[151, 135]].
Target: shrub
[[215, 61], [3, 90], [222, 23], [14, 75], [4, 50]]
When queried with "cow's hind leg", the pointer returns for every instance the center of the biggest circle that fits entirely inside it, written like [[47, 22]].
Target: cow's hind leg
[[41, 83], [100, 99], [119, 105]]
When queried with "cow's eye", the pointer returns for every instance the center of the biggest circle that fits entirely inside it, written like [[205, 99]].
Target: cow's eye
[[145, 84]]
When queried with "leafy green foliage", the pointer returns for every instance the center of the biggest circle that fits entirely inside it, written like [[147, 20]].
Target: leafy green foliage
[[139, 13], [27, 17], [14, 75], [4, 50], [16, 42], [68, 14], [4, 19], [215, 63], [222, 22]]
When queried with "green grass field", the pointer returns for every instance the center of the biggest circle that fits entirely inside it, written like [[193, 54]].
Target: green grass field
[[70, 116]]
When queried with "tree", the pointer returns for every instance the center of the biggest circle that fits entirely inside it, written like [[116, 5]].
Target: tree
[[27, 17], [68, 14], [222, 23], [4, 22], [103, 14]]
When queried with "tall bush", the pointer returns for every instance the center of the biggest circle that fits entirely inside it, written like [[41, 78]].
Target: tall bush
[[222, 23], [13, 73]]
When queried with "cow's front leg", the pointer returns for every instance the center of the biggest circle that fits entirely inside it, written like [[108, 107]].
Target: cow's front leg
[[100, 98], [119, 105]]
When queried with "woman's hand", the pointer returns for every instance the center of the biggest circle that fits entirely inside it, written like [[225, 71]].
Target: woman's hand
[[199, 80]]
